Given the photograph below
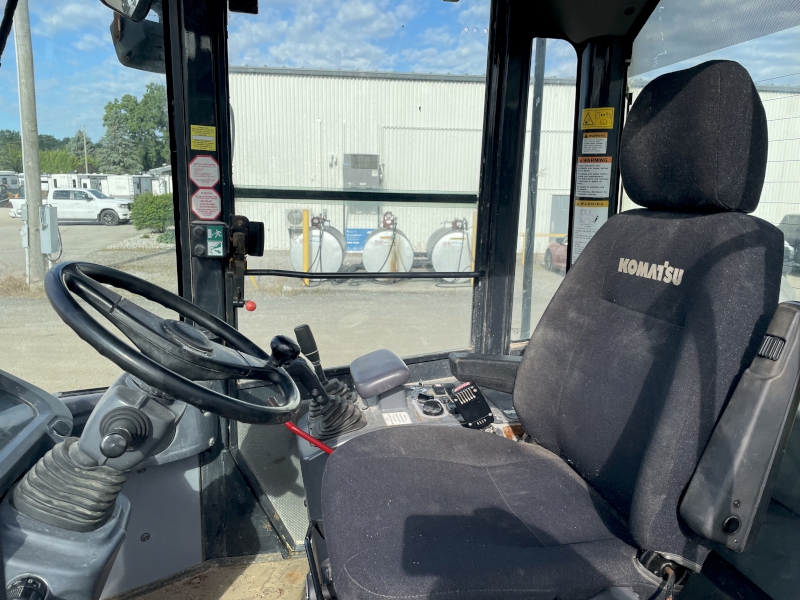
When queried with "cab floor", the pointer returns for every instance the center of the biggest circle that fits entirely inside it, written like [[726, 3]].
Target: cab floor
[[282, 579]]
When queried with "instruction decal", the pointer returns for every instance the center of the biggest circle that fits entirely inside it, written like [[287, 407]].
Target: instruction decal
[[206, 204], [598, 118], [595, 142], [204, 137], [204, 171], [593, 177], [396, 418], [215, 238], [589, 217]]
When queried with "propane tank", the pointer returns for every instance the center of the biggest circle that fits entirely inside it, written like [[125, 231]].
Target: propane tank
[[387, 249], [449, 249], [326, 249]]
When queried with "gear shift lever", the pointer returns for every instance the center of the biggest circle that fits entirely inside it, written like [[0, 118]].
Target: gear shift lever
[[308, 346]]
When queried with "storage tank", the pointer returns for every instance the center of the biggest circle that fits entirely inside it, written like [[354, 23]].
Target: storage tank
[[326, 250], [387, 251], [450, 249]]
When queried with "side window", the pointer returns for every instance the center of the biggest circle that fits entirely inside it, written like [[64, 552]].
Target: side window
[[61, 195], [759, 45], [544, 200], [5, 179], [81, 196]]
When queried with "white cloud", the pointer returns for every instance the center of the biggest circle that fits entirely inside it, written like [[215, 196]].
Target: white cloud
[[560, 60], [54, 18], [90, 41]]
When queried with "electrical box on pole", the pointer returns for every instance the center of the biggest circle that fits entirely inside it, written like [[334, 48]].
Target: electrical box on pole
[[48, 237]]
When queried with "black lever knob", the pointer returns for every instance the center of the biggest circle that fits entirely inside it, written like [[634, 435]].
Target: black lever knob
[[284, 350], [309, 347]]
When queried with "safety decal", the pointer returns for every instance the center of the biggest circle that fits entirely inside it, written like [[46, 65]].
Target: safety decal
[[598, 118], [595, 142], [396, 418], [204, 171], [206, 204], [593, 176], [204, 137]]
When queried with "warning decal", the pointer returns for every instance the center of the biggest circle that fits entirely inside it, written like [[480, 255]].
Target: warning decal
[[206, 204], [204, 171], [588, 219], [593, 177], [396, 418], [598, 118], [595, 142], [204, 137]]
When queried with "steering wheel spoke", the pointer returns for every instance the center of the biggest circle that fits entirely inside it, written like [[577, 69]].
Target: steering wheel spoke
[[169, 355]]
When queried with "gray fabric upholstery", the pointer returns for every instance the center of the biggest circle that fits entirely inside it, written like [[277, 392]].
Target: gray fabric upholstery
[[621, 385], [696, 140], [625, 376], [441, 512]]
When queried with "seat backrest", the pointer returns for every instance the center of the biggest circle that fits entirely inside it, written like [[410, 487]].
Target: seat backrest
[[647, 336]]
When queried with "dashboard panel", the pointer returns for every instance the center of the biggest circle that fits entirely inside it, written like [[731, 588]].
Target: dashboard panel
[[31, 422]]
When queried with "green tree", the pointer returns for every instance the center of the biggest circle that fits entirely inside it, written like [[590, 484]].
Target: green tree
[[50, 142], [10, 150], [75, 146], [116, 153], [144, 122], [59, 161]]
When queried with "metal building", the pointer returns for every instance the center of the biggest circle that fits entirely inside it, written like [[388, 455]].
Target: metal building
[[296, 128]]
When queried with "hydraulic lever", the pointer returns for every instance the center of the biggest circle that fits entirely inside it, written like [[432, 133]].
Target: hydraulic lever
[[308, 346]]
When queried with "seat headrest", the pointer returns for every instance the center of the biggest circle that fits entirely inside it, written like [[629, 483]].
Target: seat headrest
[[696, 140]]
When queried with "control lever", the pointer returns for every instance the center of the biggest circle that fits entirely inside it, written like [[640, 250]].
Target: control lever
[[308, 346], [284, 350]]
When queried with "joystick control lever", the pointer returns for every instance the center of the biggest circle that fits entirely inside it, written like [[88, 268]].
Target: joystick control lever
[[284, 350], [308, 345]]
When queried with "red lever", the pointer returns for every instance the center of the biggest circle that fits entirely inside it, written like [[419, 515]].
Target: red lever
[[250, 306], [311, 440]]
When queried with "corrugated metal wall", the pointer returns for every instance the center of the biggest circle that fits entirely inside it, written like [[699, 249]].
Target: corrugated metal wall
[[292, 128]]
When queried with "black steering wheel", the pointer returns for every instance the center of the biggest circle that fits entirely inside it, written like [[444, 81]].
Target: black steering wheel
[[171, 354]]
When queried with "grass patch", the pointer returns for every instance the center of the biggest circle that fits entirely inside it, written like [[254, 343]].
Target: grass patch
[[14, 286]]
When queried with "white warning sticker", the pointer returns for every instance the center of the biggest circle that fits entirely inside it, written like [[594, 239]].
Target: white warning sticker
[[595, 142], [593, 176], [204, 171], [206, 204], [589, 217], [396, 418]]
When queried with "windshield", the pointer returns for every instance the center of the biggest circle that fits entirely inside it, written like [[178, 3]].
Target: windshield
[[102, 129]]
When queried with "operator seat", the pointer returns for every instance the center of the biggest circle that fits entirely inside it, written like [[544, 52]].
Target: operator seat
[[620, 386]]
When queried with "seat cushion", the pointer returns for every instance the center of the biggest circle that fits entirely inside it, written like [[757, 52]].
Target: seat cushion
[[438, 512]]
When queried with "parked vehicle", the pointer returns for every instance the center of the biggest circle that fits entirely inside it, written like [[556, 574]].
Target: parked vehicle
[[82, 206], [89, 205], [555, 257]]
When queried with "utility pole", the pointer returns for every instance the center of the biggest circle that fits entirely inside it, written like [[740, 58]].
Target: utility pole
[[85, 155], [29, 130], [533, 183]]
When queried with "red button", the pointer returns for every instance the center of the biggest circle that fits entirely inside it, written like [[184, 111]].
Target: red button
[[250, 305]]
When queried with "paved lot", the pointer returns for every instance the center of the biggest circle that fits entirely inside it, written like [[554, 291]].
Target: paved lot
[[349, 319]]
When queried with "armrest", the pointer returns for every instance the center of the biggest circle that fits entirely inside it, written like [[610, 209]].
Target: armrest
[[732, 486], [496, 372]]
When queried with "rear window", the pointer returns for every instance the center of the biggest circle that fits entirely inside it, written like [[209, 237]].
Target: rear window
[[61, 195]]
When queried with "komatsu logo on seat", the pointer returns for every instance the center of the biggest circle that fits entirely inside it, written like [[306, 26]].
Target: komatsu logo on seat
[[640, 268]]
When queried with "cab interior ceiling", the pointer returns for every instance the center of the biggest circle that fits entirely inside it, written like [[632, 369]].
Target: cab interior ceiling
[[578, 21]]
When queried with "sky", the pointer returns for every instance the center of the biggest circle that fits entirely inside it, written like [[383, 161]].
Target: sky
[[77, 72]]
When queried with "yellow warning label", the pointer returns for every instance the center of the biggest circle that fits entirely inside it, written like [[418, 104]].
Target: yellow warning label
[[598, 118], [594, 159], [591, 203], [204, 137]]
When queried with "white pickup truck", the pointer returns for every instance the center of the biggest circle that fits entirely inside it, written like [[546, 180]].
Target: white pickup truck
[[82, 205]]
